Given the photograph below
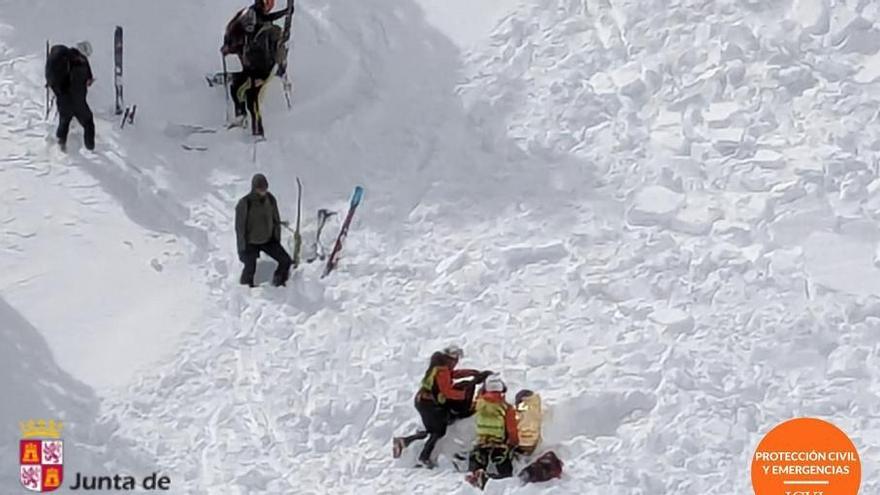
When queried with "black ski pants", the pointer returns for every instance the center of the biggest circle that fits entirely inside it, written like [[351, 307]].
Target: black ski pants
[[70, 106], [496, 460], [437, 417], [276, 251]]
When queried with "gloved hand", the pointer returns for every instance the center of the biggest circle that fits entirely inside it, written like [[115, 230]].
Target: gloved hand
[[481, 376], [241, 256]]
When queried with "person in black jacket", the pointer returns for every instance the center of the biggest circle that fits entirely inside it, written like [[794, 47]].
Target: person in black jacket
[[69, 75], [258, 229], [252, 36]]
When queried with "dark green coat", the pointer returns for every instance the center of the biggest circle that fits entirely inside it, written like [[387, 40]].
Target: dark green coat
[[257, 220]]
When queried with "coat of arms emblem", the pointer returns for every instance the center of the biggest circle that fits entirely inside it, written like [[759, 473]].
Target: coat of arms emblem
[[41, 455]]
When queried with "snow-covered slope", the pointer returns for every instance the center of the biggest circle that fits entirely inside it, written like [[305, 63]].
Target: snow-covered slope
[[626, 206], [737, 141]]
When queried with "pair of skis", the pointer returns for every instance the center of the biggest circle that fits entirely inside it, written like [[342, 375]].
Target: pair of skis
[[323, 216], [285, 43], [127, 113], [318, 248], [128, 116]]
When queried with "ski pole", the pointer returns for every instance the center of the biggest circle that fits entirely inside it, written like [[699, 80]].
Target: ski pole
[[225, 86], [48, 108]]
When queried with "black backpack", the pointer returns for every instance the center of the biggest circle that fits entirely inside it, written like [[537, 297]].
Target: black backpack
[[261, 51], [544, 468], [58, 68]]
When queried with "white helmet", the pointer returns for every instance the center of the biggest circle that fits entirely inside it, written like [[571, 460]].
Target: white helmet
[[454, 352], [85, 48], [494, 384]]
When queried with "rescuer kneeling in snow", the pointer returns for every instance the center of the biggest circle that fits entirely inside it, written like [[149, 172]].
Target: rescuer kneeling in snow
[[497, 435]]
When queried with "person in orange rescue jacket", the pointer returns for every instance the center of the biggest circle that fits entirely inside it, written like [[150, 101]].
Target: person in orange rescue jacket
[[445, 396], [497, 434]]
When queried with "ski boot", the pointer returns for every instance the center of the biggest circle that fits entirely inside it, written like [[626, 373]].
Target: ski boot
[[397, 445], [477, 478], [239, 121]]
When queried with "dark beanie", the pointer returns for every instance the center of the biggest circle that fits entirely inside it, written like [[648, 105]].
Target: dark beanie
[[259, 182]]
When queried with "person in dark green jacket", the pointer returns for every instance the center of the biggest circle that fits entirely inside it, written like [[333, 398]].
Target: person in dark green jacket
[[258, 229]]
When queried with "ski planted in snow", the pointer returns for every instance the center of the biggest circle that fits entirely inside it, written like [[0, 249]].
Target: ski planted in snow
[[117, 64], [126, 112], [343, 232], [128, 116], [49, 102], [297, 236], [284, 47], [318, 251]]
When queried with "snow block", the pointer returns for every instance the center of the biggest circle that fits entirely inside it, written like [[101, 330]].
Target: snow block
[[726, 140], [674, 320], [739, 233], [812, 15], [788, 192], [542, 354], [859, 36], [720, 113], [769, 159], [747, 208], [796, 79], [795, 226], [629, 81], [842, 264], [869, 71], [522, 255], [696, 216], [847, 362], [743, 37], [655, 205], [452, 263]]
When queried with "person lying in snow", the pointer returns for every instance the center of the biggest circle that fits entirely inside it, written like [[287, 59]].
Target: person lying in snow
[[440, 401]]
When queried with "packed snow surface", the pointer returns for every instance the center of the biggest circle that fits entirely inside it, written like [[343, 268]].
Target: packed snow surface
[[659, 214]]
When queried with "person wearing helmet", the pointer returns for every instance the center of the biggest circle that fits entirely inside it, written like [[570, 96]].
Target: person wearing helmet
[[441, 401], [263, 9], [252, 36], [497, 434], [247, 22], [69, 75]]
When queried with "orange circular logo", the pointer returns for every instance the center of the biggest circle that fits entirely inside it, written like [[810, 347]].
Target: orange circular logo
[[806, 456]]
